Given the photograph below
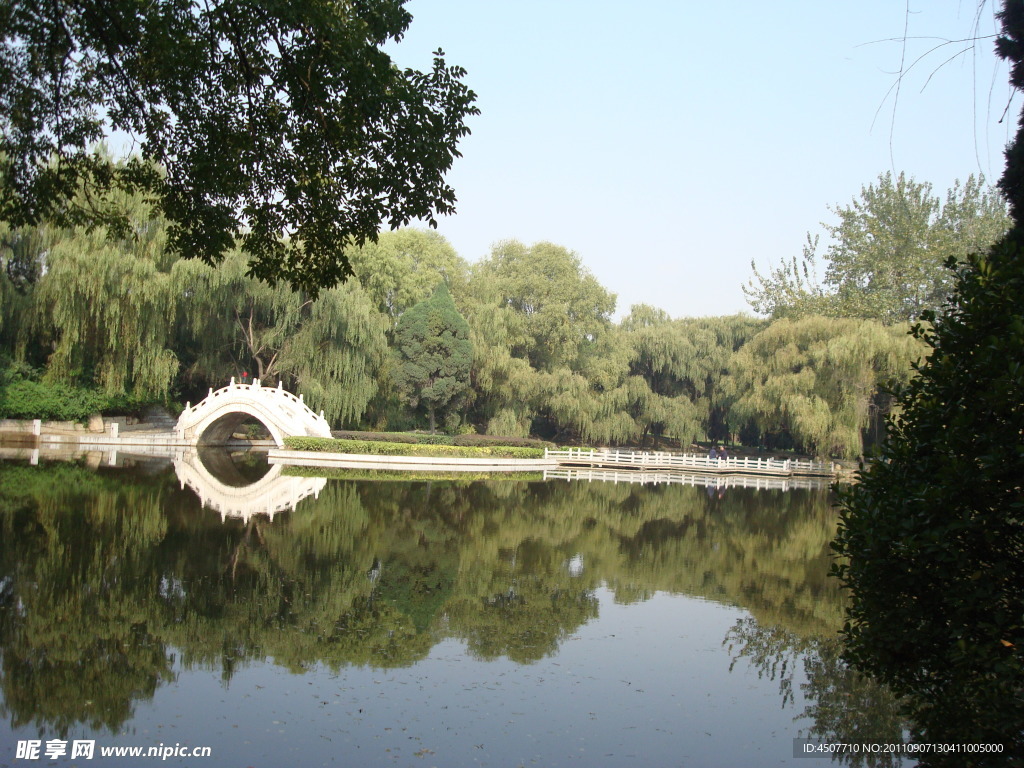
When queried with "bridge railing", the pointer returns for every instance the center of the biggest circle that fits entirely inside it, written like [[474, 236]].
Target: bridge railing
[[687, 461], [257, 390]]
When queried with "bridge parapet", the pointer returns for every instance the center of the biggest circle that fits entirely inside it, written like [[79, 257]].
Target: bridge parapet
[[282, 412]]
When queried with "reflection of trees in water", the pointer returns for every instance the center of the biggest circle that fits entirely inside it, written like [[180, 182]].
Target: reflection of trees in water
[[76, 566], [367, 574], [843, 706]]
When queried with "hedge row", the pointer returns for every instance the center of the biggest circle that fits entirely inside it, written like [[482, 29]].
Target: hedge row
[[375, 448], [36, 400], [22, 397], [479, 441]]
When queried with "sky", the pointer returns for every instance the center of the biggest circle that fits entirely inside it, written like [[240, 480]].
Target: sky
[[669, 143]]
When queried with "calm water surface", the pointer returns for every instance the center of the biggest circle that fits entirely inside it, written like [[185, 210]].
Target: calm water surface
[[425, 622]]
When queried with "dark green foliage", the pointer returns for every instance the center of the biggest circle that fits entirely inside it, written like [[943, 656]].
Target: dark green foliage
[[329, 445], [933, 536], [434, 356], [284, 126], [35, 400], [23, 397], [934, 533], [484, 441]]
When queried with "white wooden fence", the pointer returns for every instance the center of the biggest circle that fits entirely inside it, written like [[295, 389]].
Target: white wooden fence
[[648, 460]]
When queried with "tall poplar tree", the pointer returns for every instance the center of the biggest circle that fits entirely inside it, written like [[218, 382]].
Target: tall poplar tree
[[434, 357], [887, 253]]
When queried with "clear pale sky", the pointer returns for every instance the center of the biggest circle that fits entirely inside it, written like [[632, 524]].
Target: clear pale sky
[[668, 143]]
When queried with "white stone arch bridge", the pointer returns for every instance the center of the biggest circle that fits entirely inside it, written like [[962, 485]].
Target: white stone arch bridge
[[220, 413]]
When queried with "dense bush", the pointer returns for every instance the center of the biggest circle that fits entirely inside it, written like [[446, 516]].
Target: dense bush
[[22, 398], [491, 440], [38, 400], [376, 448], [381, 437]]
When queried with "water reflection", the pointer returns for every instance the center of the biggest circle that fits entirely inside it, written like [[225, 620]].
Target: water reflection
[[113, 582], [242, 484], [842, 705], [713, 483]]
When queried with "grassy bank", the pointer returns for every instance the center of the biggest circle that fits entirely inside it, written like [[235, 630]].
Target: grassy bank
[[380, 448]]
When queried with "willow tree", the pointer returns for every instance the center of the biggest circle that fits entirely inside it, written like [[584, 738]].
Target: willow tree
[[22, 253], [112, 304], [681, 364], [553, 306], [504, 386], [543, 321], [330, 348], [818, 379]]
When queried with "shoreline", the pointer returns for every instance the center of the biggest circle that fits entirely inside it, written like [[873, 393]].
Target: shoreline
[[432, 463]]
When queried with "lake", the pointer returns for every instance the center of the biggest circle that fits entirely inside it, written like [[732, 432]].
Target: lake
[[277, 617]]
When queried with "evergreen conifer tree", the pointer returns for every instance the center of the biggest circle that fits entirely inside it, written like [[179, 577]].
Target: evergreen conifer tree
[[434, 357]]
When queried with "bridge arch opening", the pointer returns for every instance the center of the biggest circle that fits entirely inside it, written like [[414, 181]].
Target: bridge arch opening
[[234, 468], [223, 430]]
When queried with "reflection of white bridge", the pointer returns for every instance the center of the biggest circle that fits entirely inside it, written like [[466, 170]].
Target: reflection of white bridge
[[685, 478], [269, 495], [222, 411]]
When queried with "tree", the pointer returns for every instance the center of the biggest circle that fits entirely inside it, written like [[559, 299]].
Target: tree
[[680, 365], [553, 306], [933, 535], [434, 356], [332, 348], [110, 305], [21, 265], [548, 355], [284, 127], [403, 268], [818, 379], [887, 253]]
